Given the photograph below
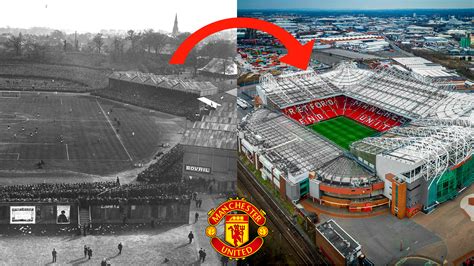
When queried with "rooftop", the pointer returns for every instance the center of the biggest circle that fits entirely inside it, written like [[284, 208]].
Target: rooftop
[[216, 130], [171, 83], [399, 92], [339, 239]]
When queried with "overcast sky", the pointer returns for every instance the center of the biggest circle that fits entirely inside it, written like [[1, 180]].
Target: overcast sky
[[94, 15], [353, 4]]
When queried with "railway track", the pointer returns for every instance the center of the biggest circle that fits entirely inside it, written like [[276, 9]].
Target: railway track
[[305, 253]]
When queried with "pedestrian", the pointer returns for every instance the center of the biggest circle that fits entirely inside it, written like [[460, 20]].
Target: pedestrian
[[103, 262], [210, 189], [196, 217], [195, 195], [85, 251], [197, 203], [54, 255], [203, 255], [191, 236], [89, 252], [120, 247]]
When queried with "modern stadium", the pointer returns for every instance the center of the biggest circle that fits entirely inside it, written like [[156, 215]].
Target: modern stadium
[[361, 138]]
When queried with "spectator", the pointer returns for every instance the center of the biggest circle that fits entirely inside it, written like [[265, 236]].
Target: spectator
[[120, 247], [54, 253]]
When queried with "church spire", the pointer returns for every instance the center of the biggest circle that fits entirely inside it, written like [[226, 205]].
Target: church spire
[[175, 27]]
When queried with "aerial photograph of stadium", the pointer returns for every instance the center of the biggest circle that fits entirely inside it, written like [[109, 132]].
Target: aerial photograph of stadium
[[103, 159], [365, 157]]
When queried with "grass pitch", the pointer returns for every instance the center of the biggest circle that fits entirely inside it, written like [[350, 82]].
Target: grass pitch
[[343, 131], [75, 133]]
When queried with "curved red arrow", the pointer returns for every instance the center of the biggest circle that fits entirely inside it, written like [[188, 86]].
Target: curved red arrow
[[298, 54]]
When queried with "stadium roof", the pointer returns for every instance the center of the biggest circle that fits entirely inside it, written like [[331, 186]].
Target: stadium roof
[[216, 130], [387, 88], [297, 150], [202, 88], [437, 144], [345, 171], [296, 88]]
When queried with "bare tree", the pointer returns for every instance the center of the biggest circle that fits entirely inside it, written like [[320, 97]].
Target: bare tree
[[118, 47], [99, 42], [134, 38], [159, 40], [17, 43]]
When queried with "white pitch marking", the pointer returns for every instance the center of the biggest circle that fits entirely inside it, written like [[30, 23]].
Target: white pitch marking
[[67, 152], [116, 134]]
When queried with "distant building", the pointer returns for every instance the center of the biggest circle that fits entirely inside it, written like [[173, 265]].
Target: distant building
[[424, 68], [465, 42], [175, 31], [419, 29]]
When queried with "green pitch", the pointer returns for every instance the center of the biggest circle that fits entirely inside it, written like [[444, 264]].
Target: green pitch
[[343, 131]]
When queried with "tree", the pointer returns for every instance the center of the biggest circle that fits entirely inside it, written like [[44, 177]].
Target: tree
[[134, 38], [17, 43], [159, 40], [147, 39], [117, 44], [99, 42]]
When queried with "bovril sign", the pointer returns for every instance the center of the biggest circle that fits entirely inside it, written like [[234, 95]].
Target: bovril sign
[[198, 169]]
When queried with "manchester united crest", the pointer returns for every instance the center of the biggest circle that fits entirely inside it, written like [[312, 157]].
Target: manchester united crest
[[237, 214]]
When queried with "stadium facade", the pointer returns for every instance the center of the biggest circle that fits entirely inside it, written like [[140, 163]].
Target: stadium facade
[[418, 157], [210, 145]]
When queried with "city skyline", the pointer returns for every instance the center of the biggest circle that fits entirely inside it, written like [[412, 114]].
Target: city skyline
[[354, 4]]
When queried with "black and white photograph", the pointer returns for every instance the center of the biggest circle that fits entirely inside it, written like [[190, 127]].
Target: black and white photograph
[[109, 154]]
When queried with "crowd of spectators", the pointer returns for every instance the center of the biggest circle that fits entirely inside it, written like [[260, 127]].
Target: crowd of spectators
[[37, 84], [163, 100], [93, 78], [97, 193], [168, 168]]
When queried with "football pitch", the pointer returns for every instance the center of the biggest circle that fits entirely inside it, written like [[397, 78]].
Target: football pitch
[[343, 131], [78, 133]]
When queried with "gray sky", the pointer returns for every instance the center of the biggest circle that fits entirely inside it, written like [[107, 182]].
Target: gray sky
[[353, 4], [94, 15]]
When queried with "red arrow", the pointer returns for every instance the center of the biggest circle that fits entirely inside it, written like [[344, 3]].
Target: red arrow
[[298, 54]]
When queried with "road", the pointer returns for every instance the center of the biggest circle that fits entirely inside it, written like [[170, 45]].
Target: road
[[302, 251]]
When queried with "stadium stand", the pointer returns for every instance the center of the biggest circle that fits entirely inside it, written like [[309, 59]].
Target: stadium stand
[[36, 84], [320, 110], [166, 169], [389, 89], [157, 92], [96, 193], [422, 153]]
